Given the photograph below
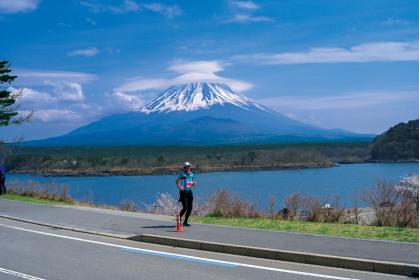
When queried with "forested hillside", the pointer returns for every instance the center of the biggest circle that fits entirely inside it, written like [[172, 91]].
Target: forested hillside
[[399, 143]]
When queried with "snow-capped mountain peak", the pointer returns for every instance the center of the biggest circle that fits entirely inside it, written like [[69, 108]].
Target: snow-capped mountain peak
[[195, 96]]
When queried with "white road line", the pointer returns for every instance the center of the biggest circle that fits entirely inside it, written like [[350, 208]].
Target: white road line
[[20, 275], [182, 256]]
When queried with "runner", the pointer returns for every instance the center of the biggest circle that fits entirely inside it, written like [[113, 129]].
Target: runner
[[2, 179], [185, 182]]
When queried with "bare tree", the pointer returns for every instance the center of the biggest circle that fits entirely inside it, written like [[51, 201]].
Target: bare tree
[[382, 197], [292, 202], [355, 209], [272, 206]]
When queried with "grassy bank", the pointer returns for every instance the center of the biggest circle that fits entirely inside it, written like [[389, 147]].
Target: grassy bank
[[334, 229], [34, 200]]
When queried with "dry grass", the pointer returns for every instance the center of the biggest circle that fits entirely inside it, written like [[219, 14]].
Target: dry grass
[[46, 191]]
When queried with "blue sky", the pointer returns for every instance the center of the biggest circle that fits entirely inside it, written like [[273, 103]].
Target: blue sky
[[336, 64]]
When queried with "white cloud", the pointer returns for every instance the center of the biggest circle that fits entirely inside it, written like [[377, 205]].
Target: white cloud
[[18, 6], [127, 100], [244, 18], [56, 96], [128, 6], [32, 96], [247, 5], [38, 77], [95, 8], [354, 100], [53, 115], [394, 21], [91, 21], [190, 71], [125, 7], [291, 115], [143, 84], [67, 91], [88, 52], [166, 10], [202, 66], [368, 52], [243, 13]]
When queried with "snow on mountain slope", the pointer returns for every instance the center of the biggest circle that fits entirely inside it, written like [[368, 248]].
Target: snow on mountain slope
[[195, 96]]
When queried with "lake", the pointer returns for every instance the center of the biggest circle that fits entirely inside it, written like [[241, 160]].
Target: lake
[[342, 180]]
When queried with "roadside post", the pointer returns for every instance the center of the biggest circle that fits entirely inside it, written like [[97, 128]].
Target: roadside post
[[178, 223]]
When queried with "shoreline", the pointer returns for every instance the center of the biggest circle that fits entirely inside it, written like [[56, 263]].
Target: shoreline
[[158, 171], [172, 171]]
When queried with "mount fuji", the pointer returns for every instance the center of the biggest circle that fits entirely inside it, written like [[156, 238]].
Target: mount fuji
[[200, 113]]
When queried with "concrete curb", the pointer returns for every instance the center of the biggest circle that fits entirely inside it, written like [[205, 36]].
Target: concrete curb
[[282, 255]]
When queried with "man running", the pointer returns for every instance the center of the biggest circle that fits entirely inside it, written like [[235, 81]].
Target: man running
[[185, 182], [2, 179]]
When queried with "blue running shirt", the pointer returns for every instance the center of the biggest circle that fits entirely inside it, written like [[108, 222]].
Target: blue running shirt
[[187, 180]]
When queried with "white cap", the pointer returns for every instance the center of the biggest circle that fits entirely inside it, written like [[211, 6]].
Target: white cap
[[187, 164]]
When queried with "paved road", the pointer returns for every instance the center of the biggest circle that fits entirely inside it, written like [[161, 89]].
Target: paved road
[[131, 224], [35, 251]]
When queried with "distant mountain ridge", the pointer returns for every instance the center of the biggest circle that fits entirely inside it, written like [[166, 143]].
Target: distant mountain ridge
[[199, 114]]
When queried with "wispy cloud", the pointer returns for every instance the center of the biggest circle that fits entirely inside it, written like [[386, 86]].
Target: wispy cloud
[[88, 52], [67, 91], [91, 21], [38, 77], [369, 52], [247, 5], [140, 84], [244, 18], [166, 10], [18, 6], [32, 96], [394, 21], [203, 66], [47, 93], [50, 106], [125, 7], [129, 101], [243, 12], [188, 71], [345, 101], [54, 92], [64, 25], [128, 6], [63, 85], [54, 115]]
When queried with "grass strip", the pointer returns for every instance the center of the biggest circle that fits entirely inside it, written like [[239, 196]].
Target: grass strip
[[333, 229], [33, 200]]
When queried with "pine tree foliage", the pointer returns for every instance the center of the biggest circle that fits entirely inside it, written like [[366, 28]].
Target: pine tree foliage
[[9, 113]]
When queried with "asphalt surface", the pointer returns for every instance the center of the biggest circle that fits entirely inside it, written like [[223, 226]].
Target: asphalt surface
[[131, 224], [46, 253]]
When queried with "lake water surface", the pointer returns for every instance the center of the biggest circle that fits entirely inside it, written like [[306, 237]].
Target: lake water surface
[[256, 185]]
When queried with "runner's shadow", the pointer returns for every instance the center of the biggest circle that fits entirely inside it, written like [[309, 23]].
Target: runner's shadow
[[161, 226]]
